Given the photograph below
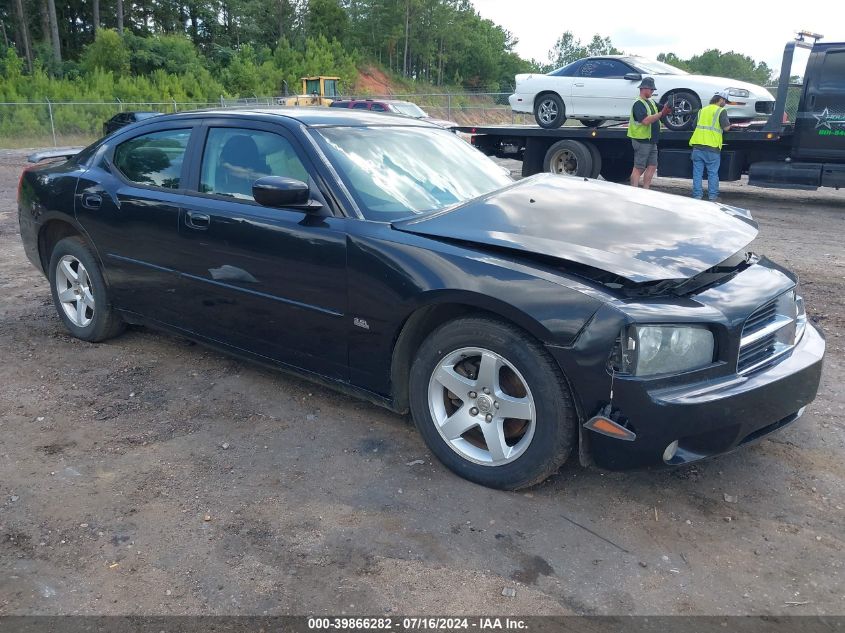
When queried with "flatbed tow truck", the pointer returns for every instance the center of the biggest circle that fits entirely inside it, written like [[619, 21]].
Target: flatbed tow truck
[[805, 154]]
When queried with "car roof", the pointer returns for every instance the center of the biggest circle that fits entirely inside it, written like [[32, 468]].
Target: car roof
[[315, 116], [616, 57]]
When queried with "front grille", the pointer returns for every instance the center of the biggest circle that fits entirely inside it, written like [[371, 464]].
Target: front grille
[[756, 352], [768, 334], [761, 317], [765, 107]]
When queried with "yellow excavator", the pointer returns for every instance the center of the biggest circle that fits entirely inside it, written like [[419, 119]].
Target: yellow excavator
[[319, 91]]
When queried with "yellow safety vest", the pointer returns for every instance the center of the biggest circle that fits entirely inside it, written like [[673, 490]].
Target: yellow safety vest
[[636, 129], [708, 131]]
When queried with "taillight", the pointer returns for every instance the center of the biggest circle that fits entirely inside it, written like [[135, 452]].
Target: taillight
[[20, 180], [20, 184]]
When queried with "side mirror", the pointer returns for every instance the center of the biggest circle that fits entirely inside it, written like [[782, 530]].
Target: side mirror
[[278, 191], [633, 77]]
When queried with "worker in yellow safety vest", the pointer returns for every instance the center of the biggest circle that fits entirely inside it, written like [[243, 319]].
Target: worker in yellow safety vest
[[644, 130], [706, 143]]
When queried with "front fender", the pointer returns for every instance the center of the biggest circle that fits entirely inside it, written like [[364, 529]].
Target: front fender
[[389, 281]]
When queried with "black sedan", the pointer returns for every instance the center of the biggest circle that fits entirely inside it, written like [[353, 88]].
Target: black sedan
[[518, 322], [122, 119]]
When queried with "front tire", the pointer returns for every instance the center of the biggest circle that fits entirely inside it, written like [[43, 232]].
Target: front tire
[[491, 404], [683, 115], [549, 111], [80, 294]]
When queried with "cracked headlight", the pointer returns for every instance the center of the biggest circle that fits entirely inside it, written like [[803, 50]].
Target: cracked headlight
[[738, 92], [648, 350]]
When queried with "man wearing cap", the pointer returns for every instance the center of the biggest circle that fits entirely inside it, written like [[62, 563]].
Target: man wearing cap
[[643, 130], [706, 143]]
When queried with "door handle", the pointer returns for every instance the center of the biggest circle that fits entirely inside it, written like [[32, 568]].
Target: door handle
[[91, 201], [196, 220], [579, 85]]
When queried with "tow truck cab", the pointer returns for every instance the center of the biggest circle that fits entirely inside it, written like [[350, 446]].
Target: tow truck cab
[[817, 149]]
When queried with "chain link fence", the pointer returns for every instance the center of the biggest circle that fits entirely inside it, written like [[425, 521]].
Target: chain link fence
[[63, 123]]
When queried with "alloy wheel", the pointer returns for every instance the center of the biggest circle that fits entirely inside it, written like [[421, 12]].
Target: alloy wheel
[[73, 287], [547, 112], [482, 406], [681, 113]]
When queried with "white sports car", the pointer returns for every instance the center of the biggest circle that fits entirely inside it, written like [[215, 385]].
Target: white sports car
[[596, 89]]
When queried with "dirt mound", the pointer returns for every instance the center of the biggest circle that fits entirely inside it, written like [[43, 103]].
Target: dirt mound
[[372, 81]]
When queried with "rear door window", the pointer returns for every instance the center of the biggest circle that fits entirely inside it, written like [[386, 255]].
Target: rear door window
[[361, 105], [153, 159]]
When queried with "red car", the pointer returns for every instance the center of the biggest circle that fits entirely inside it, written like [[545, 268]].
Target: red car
[[393, 106]]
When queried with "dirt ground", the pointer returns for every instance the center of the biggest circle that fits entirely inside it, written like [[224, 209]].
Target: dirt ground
[[149, 475]]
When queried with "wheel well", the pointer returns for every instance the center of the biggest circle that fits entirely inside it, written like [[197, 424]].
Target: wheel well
[[50, 235], [415, 330], [548, 92], [665, 97]]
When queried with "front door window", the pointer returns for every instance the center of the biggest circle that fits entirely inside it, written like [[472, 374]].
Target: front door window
[[235, 158]]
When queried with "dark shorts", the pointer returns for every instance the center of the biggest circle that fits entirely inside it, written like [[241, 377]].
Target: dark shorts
[[645, 154]]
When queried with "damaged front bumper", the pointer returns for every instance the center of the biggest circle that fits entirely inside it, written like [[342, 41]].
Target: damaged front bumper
[[710, 417]]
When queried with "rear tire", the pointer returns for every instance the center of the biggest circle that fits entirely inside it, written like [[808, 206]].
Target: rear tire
[[572, 158], [597, 161], [468, 373], [80, 294], [549, 111]]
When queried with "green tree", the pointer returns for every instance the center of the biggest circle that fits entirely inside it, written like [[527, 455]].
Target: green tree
[[107, 52], [673, 60], [602, 46], [730, 65], [568, 49], [327, 18]]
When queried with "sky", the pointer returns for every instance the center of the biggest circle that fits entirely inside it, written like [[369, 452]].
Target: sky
[[758, 29]]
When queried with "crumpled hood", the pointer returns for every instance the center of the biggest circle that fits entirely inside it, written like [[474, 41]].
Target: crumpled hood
[[643, 236]]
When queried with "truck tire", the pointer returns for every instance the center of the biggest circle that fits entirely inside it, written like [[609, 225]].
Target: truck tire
[[591, 122], [686, 107], [572, 158], [596, 159], [549, 111]]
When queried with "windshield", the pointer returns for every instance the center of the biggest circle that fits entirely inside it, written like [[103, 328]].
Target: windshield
[[395, 172], [651, 67], [410, 109]]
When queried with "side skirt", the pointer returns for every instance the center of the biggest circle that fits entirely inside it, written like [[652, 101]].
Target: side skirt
[[264, 361]]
